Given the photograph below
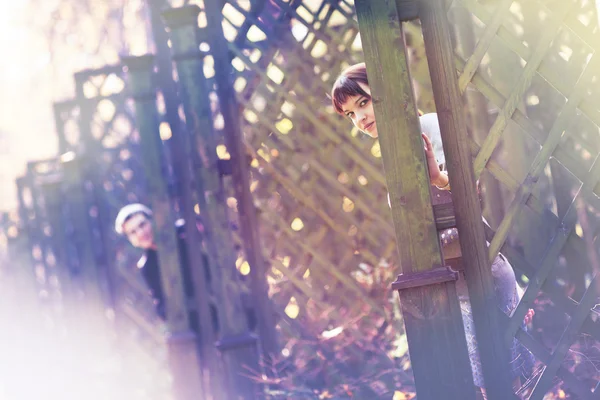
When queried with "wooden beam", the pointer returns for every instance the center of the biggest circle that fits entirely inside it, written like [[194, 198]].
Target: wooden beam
[[182, 342], [492, 348], [241, 183], [236, 344], [432, 316]]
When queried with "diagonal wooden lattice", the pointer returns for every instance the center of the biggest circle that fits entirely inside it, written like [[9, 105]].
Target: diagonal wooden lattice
[[40, 206], [535, 67], [529, 73], [100, 123], [318, 186], [103, 105], [320, 190]]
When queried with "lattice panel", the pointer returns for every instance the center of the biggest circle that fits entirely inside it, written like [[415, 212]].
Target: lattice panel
[[318, 186], [107, 126], [535, 66], [9, 229], [39, 192], [16, 274], [101, 102], [66, 119], [109, 118], [120, 181], [320, 189], [100, 123]]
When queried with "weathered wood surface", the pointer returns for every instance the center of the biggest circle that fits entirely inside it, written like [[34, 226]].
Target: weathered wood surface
[[493, 350], [182, 341], [319, 188], [437, 346], [237, 345]]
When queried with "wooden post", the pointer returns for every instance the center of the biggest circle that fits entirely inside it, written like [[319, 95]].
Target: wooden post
[[25, 213], [241, 179], [81, 260], [52, 190], [57, 108], [182, 342], [168, 89], [430, 307], [238, 346], [46, 185], [477, 107], [90, 153], [178, 147], [39, 241], [179, 151], [493, 350]]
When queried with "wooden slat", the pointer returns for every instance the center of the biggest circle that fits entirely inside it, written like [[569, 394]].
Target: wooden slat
[[553, 250], [540, 353], [516, 45], [550, 31], [333, 271], [492, 350], [310, 116], [569, 306], [566, 340], [437, 346], [483, 44], [564, 118]]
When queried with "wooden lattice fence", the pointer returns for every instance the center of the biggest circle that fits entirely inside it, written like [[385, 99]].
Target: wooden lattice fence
[[533, 64], [320, 192], [528, 72], [319, 267], [97, 171], [527, 69], [98, 128]]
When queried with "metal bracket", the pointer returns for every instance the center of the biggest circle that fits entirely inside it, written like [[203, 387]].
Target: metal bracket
[[425, 278], [407, 10], [225, 167], [246, 339]]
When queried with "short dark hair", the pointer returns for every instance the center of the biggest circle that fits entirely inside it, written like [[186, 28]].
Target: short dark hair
[[347, 85]]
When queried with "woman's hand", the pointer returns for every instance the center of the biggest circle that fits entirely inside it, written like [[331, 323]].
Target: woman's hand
[[529, 316], [436, 177]]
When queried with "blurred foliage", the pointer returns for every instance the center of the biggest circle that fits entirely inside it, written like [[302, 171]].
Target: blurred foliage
[[364, 358]]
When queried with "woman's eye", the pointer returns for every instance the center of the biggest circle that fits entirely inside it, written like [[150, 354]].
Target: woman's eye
[[364, 102], [350, 114]]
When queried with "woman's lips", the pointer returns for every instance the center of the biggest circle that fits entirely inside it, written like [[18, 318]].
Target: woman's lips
[[369, 126]]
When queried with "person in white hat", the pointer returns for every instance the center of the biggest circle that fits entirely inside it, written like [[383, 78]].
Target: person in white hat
[[134, 221]]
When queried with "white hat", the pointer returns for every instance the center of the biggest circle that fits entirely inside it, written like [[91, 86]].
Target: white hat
[[127, 212]]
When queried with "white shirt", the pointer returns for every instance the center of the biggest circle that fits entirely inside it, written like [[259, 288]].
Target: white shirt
[[431, 127]]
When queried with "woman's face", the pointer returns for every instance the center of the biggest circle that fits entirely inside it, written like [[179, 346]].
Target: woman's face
[[360, 110]]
